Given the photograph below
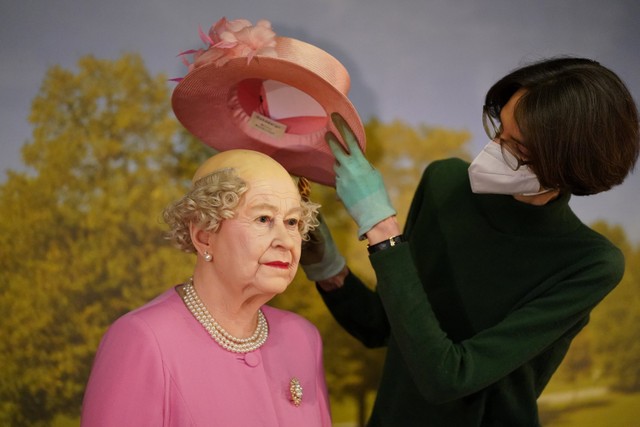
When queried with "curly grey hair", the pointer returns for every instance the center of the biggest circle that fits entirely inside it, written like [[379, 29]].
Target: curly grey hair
[[214, 198]]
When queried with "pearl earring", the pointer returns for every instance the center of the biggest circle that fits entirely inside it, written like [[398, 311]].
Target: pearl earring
[[207, 256]]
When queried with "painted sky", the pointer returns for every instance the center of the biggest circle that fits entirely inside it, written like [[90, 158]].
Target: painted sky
[[421, 61]]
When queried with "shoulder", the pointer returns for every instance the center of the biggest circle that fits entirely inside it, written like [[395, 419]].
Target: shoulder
[[155, 317], [452, 171], [442, 179], [588, 263], [602, 254], [444, 176], [285, 317], [137, 338], [292, 323]]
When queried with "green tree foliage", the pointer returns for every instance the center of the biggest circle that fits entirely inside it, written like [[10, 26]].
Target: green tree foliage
[[81, 234]]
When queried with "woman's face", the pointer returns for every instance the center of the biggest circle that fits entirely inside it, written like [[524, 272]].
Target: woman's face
[[510, 136], [257, 251]]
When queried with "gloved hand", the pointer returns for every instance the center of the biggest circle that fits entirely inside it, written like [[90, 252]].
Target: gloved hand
[[320, 259], [358, 184]]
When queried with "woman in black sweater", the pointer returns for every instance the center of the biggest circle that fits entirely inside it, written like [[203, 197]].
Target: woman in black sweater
[[480, 297]]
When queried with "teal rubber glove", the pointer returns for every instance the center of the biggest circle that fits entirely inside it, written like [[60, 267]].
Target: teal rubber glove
[[320, 258], [358, 184]]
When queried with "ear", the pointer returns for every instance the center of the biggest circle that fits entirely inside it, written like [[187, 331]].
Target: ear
[[200, 238]]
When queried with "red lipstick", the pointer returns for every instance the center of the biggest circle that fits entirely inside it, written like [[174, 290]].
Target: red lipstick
[[278, 264]]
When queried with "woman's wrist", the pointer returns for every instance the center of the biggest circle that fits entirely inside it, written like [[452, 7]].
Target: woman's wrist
[[384, 230]]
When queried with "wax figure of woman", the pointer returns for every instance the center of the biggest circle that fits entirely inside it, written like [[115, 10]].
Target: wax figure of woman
[[494, 275], [210, 352]]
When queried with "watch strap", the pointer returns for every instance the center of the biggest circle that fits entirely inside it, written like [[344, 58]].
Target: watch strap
[[390, 242]]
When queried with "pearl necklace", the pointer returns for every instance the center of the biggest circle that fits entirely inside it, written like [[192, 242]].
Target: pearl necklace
[[217, 332]]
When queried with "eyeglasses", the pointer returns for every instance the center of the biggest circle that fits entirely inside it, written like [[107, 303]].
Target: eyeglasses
[[513, 161], [493, 129]]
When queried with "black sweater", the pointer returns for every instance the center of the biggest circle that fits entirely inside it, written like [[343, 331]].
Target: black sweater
[[479, 308]]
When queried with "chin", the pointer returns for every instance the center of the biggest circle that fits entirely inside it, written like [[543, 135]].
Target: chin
[[282, 287], [275, 286]]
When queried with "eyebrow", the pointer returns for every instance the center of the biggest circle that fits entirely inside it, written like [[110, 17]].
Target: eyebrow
[[273, 208]]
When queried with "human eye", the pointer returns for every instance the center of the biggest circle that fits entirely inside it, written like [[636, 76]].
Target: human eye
[[263, 219], [292, 222]]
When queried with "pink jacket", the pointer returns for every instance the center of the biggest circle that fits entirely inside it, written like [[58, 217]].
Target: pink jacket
[[157, 366]]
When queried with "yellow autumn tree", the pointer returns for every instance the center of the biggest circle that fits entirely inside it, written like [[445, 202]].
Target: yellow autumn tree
[[81, 239], [614, 332], [81, 236]]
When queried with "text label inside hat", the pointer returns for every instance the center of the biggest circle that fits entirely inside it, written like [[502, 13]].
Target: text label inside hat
[[266, 125]]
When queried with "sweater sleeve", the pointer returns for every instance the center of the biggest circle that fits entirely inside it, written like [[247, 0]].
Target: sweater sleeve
[[444, 370], [127, 382], [359, 311], [357, 308]]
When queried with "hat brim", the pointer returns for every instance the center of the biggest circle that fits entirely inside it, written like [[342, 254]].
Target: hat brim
[[203, 103]]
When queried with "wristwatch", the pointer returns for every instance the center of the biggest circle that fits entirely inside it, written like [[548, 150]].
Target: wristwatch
[[390, 242]]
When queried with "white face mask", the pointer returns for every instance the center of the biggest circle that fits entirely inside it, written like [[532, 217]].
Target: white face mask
[[490, 174]]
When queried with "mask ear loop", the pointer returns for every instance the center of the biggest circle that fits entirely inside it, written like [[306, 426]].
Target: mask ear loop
[[537, 193], [546, 190]]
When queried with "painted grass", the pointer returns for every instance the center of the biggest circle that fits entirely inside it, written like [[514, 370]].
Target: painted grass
[[611, 410]]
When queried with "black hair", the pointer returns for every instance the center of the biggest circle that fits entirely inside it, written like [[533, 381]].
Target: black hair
[[578, 121]]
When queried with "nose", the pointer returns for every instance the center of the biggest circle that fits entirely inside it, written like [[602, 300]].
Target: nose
[[283, 236]]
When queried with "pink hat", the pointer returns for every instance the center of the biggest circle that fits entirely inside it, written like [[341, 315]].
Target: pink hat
[[253, 90]]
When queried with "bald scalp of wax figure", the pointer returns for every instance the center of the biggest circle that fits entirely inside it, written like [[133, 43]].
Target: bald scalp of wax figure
[[248, 164]]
